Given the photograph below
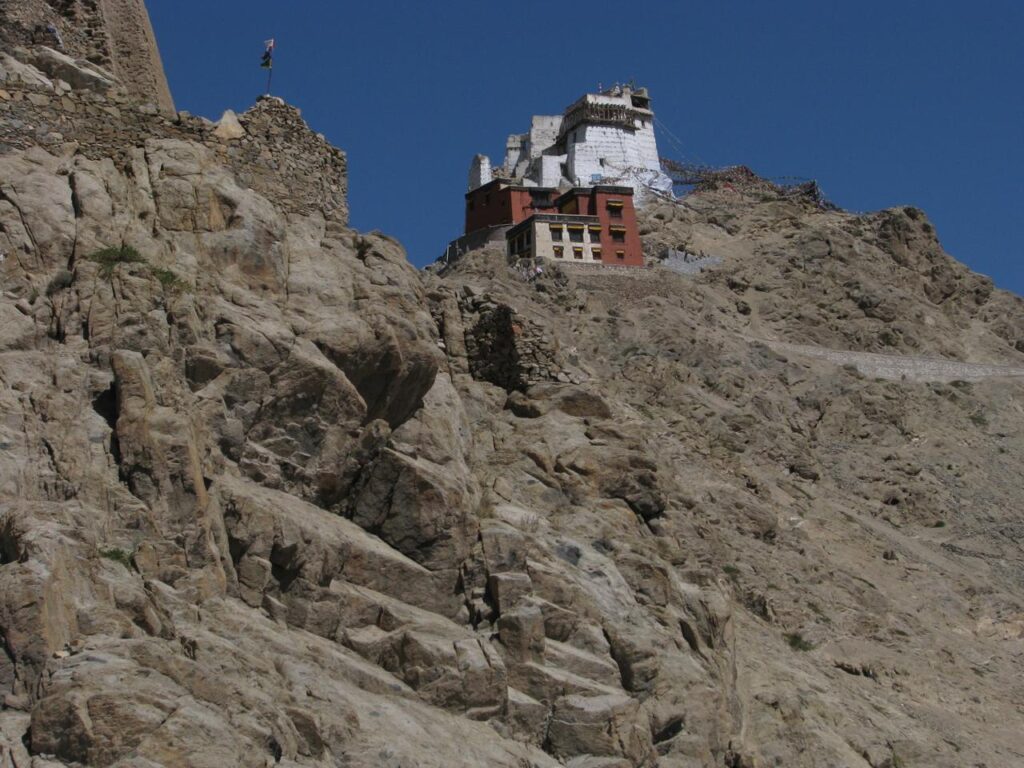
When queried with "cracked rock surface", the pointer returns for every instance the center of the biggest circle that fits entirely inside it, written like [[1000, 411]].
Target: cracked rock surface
[[270, 496]]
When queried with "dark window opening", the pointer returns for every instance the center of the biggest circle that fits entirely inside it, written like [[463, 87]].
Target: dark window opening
[[576, 235]]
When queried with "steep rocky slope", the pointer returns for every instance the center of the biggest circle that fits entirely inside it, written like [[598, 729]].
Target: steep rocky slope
[[268, 495]]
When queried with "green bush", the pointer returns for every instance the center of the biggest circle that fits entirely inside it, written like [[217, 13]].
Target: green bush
[[59, 282], [168, 279], [110, 258], [797, 643], [118, 556]]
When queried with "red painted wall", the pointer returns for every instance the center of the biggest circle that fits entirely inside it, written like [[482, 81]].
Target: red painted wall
[[634, 254], [496, 204]]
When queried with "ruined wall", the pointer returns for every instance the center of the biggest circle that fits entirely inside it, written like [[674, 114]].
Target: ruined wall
[[114, 34], [506, 348], [135, 57], [277, 155]]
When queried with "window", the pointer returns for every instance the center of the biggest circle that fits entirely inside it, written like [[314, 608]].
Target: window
[[597, 254], [620, 254], [595, 234], [615, 209], [575, 234], [559, 250], [577, 253], [618, 235], [529, 236], [556, 233]]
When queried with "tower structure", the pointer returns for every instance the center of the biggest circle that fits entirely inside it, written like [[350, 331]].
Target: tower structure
[[601, 138], [113, 34]]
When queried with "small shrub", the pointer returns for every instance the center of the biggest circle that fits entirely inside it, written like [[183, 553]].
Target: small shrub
[[816, 610], [732, 572], [109, 258], [363, 247], [979, 419], [59, 282], [939, 524], [168, 279], [118, 556], [798, 643]]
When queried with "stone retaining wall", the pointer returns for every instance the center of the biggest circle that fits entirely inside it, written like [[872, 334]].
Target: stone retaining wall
[[505, 348], [639, 273]]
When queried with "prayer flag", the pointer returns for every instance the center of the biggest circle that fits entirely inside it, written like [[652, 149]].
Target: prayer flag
[[268, 54]]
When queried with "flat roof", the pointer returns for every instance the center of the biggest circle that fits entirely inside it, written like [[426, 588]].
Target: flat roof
[[605, 188], [508, 184]]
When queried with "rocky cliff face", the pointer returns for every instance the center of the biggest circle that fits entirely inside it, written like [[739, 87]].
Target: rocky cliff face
[[269, 496]]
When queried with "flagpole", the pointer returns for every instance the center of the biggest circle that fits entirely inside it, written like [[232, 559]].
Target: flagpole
[[268, 62]]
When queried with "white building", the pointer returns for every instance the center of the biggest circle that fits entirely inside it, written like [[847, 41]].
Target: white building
[[602, 138]]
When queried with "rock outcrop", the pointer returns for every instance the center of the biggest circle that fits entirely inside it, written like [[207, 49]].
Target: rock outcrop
[[270, 496]]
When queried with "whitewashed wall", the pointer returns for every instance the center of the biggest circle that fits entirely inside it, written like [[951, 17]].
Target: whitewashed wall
[[479, 171], [543, 244]]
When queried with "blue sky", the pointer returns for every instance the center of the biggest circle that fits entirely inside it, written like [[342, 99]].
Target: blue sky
[[884, 103]]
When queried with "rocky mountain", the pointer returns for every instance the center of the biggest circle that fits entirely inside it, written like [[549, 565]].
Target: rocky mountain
[[271, 496]]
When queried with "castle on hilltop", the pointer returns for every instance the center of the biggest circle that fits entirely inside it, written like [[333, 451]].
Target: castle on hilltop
[[601, 138], [567, 187]]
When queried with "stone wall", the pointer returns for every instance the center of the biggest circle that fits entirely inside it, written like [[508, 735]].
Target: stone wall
[[276, 154], [135, 57], [505, 348], [114, 34]]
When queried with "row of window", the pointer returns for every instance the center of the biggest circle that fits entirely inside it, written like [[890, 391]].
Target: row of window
[[577, 253], [614, 207], [576, 234]]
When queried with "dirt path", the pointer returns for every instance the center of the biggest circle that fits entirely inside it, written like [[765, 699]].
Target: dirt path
[[899, 367]]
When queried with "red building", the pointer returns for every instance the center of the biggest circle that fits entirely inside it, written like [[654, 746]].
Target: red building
[[585, 224], [501, 203]]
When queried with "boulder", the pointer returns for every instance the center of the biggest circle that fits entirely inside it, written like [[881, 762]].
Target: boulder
[[604, 726], [228, 128]]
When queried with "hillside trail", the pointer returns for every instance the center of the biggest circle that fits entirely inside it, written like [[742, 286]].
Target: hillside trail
[[897, 367]]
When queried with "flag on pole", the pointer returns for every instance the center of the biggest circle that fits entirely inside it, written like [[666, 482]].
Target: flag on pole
[[268, 55]]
